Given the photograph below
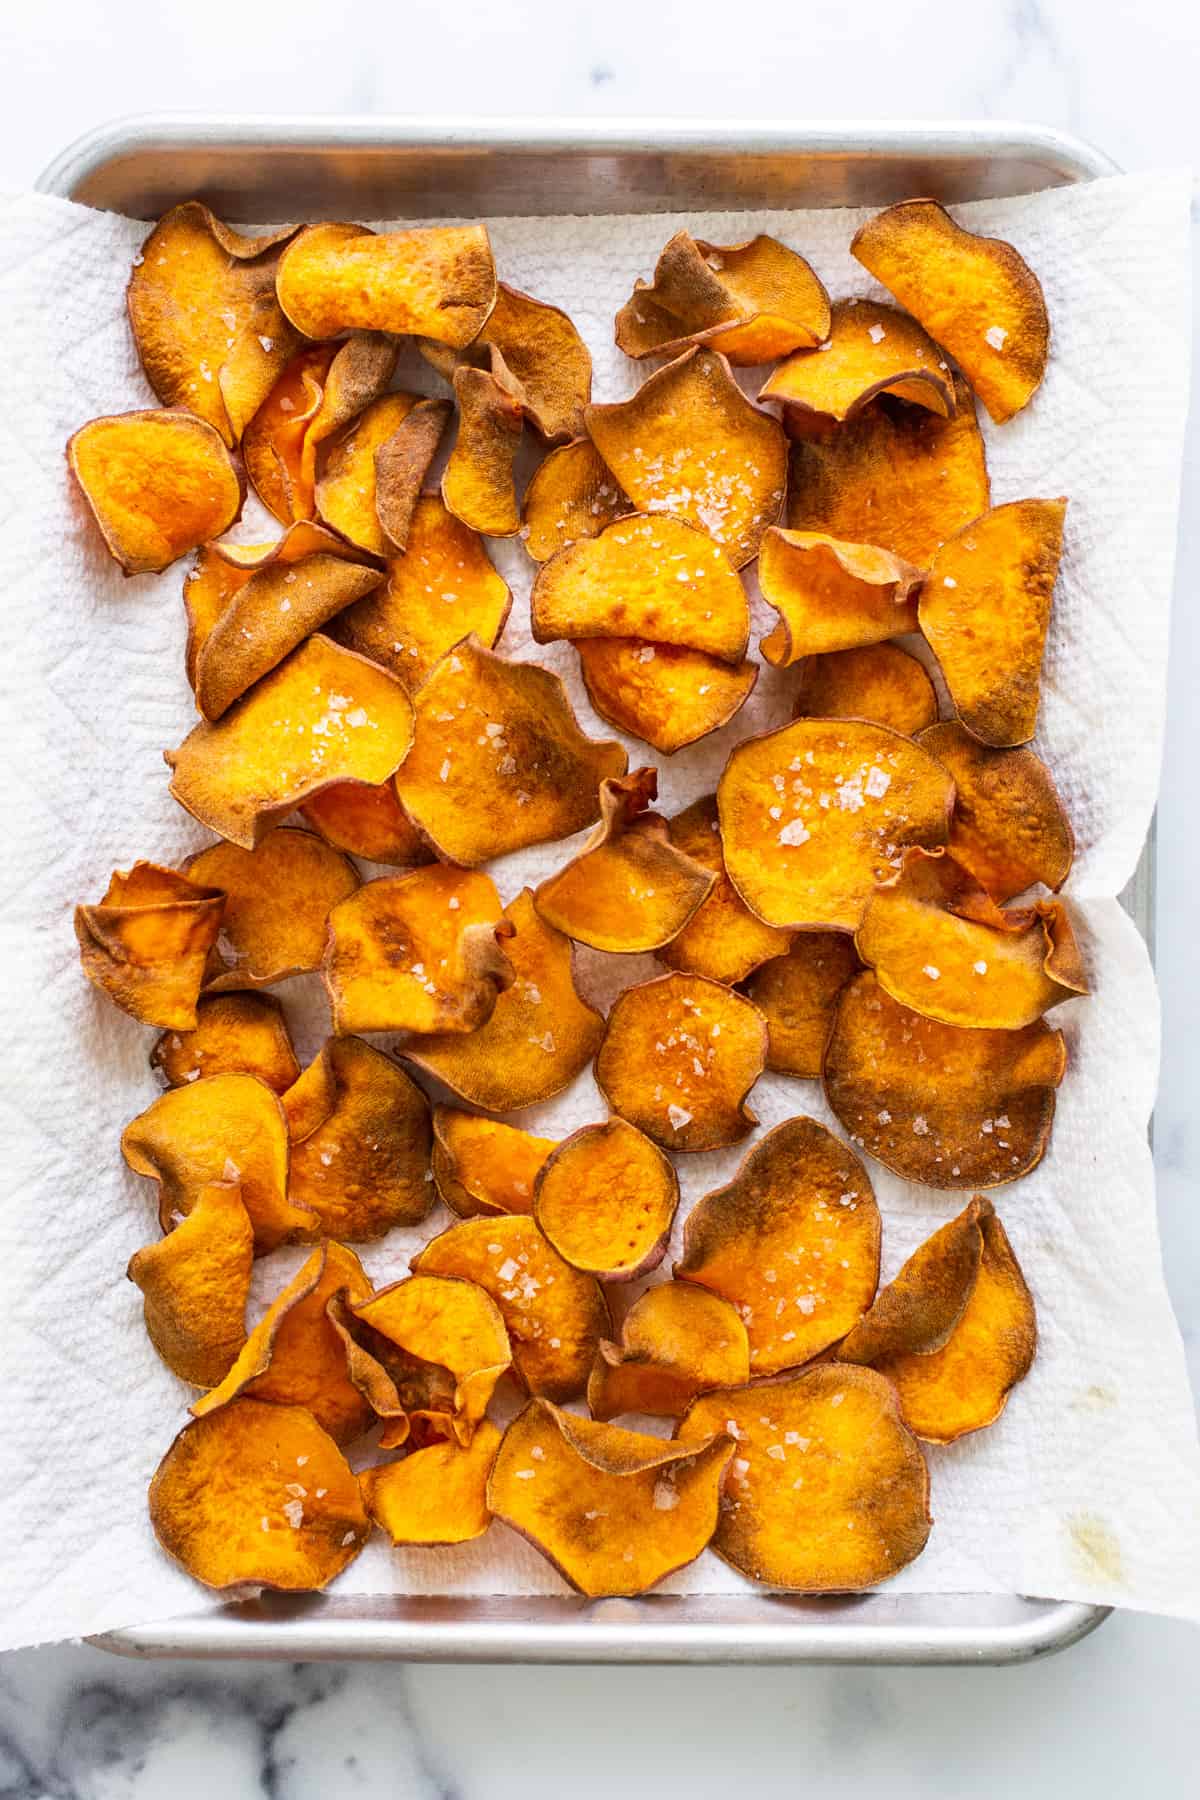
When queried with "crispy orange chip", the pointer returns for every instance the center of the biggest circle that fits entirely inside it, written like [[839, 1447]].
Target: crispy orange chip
[[483, 1167], [813, 815], [368, 821], [453, 1350], [147, 942], [278, 898], [723, 939], [879, 682], [418, 952], [949, 1107], [234, 1034], [1009, 827], [438, 283], [605, 1200], [258, 1493], [985, 608], [792, 1242], [919, 1309], [395, 437], [273, 445], [677, 1341], [828, 1492], [195, 1282], [663, 693], [680, 1054], [797, 994], [323, 715], [498, 761], [976, 295], [158, 485], [832, 596], [436, 1495], [537, 356], [872, 350], [555, 1315], [689, 443], [615, 1511], [571, 494], [478, 486], [754, 301]]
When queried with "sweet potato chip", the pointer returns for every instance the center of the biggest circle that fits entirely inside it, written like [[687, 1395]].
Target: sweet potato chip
[[205, 318], [832, 596], [417, 952], [498, 761], [677, 1341], [368, 821], [828, 1492], [871, 350], [663, 693], [278, 898], [444, 588], [482, 1167], [797, 993], [570, 495], [478, 485], [436, 1495], [234, 1034], [689, 443], [323, 715], [363, 1167], [879, 682], [195, 1282], [680, 1054], [985, 608], [605, 1200], [158, 484], [921, 1306], [147, 942], [280, 471], [397, 433], [220, 1128], [722, 939], [615, 1511], [976, 295], [537, 356], [260, 1494], [949, 1107], [753, 301], [812, 815], [441, 1326], [438, 283], [1009, 827]]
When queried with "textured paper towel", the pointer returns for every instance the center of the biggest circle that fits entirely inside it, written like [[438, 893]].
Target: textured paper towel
[[1089, 1487]]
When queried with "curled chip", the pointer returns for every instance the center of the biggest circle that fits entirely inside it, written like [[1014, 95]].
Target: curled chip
[[1009, 827], [918, 1310], [194, 1284], [605, 1200], [234, 1034], [630, 888], [689, 443], [452, 1350], [664, 693], [976, 295], [374, 469], [444, 588], [205, 318], [418, 952], [680, 1054], [939, 944], [540, 1035], [280, 469], [985, 607], [483, 1167], [677, 1341], [360, 1148], [872, 350], [654, 578], [828, 1491], [897, 476], [879, 682], [813, 815], [147, 942], [323, 715], [220, 1128], [537, 356], [949, 1107], [498, 761], [571, 494], [258, 1493], [367, 821], [792, 1242], [158, 484], [439, 283], [555, 1315], [615, 1511], [797, 994], [832, 596], [753, 301], [723, 939], [278, 897], [436, 1495], [478, 485]]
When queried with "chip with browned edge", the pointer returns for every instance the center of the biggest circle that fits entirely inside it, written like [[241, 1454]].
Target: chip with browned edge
[[537, 356], [479, 486], [605, 1199], [438, 283], [723, 939], [754, 301], [797, 993], [274, 444], [663, 693], [872, 350], [147, 942], [195, 1282], [880, 682], [571, 494], [434, 1495], [235, 1033], [1009, 827], [831, 595], [923, 1303], [158, 485], [677, 1341], [278, 898], [373, 470], [482, 1166], [368, 821]]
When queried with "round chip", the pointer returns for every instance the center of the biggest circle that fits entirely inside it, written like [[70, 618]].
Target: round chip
[[1009, 827], [663, 693], [797, 994], [234, 1034], [441, 1328], [832, 596], [158, 484], [677, 1341], [879, 682], [278, 897], [723, 939], [195, 1283], [571, 494], [605, 1199], [538, 357], [483, 1167], [871, 350], [438, 283], [479, 486], [921, 1306], [146, 945], [435, 1495], [368, 822], [754, 301]]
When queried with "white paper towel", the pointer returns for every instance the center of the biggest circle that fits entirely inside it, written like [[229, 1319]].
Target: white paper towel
[[1089, 1486]]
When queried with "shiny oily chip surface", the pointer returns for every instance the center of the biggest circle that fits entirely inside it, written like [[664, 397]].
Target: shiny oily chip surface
[[280, 464], [278, 898], [258, 1494], [479, 484], [158, 483], [754, 301], [435, 1495], [797, 995], [665, 694], [538, 357], [828, 1492], [1009, 828], [615, 1511], [871, 350], [879, 682], [147, 942], [483, 1167], [921, 1306], [677, 1341], [367, 820], [571, 494], [792, 1242], [194, 1284], [939, 1104], [440, 1322], [814, 814], [831, 595], [375, 466], [438, 283], [237, 1033], [723, 939], [679, 1056], [605, 1199]]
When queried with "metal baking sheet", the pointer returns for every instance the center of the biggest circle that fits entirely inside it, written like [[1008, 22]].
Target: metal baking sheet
[[257, 168]]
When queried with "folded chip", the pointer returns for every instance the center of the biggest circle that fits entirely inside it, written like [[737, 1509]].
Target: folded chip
[[723, 939], [754, 301], [663, 693], [279, 466], [373, 470], [832, 596], [147, 942], [158, 485], [922, 1305], [195, 1283], [479, 485], [368, 821], [438, 283], [605, 1199], [481, 1166], [537, 356], [278, 897], [871, 350], [879, 682], [1009, 827], [435, 1495], [797, 994], [677, 1341], [571, 494], [234, 1034]]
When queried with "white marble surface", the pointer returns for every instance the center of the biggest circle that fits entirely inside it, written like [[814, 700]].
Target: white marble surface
[[1112, 1714]]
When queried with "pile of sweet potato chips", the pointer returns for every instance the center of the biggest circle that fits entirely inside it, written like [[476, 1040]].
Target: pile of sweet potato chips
[[841, 909]]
